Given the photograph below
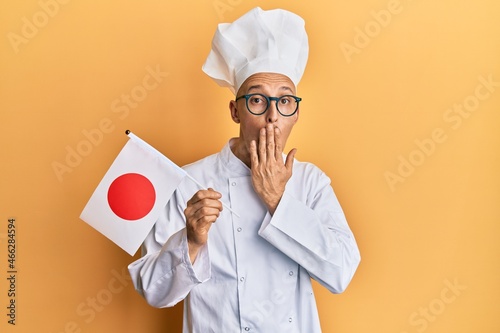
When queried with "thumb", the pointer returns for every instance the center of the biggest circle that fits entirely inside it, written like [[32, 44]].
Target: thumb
[[289, 159]]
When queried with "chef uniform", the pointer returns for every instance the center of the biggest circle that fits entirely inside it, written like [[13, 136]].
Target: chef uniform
[[254, 274]]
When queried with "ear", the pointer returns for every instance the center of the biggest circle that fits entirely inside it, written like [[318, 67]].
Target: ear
[[297, 115], [235, 115]]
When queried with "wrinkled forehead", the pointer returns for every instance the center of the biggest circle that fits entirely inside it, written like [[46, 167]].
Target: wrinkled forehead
[[259, 82]]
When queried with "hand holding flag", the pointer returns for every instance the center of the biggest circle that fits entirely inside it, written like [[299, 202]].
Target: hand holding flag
[[128, 200]]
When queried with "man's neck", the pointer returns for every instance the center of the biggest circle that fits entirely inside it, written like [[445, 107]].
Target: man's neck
[[240, 151]]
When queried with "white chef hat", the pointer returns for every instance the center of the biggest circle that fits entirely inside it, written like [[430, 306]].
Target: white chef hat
[[273, 41]]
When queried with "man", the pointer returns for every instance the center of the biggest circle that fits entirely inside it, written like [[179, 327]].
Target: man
[[251, 272]]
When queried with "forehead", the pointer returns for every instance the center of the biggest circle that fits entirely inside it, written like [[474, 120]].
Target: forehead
[[265, 81]]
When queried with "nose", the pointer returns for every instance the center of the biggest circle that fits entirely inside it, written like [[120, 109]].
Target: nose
[[272, 113]]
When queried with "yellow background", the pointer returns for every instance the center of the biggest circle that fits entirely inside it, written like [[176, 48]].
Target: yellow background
[[363, 113]]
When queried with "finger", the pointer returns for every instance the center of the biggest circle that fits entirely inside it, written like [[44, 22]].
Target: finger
[[203, 211], [204, 194], [206, 214], [289, 159], [202, 198], [262, 146], [278, 150], [208, 203], [254, 158], [270, 142], [213, 194]]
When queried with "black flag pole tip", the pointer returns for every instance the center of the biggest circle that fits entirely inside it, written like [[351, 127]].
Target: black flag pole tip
[[127, 132]]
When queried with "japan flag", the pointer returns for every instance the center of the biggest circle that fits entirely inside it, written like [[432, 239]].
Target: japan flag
[[128, 200]]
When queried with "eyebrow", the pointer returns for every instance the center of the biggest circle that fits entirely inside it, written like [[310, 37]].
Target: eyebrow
[[259, 86]]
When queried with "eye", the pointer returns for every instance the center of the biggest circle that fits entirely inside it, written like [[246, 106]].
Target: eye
[[256, 100], [285, 100]]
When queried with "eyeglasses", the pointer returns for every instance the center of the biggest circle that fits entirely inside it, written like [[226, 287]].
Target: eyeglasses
[[258, 104]]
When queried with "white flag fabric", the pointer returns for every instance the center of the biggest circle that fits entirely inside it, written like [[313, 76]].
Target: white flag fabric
[[128, 200]]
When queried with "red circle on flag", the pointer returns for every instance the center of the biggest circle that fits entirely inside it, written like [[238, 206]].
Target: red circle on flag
[[131, 196]]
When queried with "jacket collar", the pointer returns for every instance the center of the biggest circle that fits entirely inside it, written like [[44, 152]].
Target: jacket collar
[[233, 164]]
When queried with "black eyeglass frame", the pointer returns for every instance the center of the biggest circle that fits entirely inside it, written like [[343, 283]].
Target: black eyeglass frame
[[269, 99]]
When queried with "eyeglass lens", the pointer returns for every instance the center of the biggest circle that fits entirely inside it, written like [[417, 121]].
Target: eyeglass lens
[[258, 104]]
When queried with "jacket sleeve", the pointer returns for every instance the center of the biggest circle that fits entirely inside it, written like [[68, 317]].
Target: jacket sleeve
[[164, 274], [309, 226]]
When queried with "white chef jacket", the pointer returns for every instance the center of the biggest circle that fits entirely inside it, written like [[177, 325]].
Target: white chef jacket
[[253, 275]]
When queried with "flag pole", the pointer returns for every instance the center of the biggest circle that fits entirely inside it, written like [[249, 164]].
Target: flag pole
[[127, 132]]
